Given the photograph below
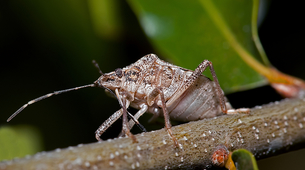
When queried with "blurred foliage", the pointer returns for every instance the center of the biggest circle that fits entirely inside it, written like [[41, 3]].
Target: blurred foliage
[[19, 141], [105, 16]]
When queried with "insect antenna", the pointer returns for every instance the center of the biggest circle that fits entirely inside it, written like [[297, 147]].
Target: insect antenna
[[64, 91], [97, 66], [46, 96], [72, 89]]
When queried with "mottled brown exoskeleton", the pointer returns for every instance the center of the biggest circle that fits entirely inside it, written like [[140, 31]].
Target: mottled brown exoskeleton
[[155, 86]]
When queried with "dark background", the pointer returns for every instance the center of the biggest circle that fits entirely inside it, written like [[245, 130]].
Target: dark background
[[36, 60]]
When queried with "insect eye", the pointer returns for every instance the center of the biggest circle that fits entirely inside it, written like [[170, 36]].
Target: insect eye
[[118, 72]]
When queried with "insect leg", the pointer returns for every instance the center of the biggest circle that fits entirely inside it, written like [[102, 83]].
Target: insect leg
[[143, 109], [236, 111], [134, 121], [114, 117], [130, 116], [152, 96], [219, 91], [198, 71], [125, 127]]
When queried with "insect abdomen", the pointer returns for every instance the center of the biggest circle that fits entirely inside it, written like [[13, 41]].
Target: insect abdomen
[[197, 102]]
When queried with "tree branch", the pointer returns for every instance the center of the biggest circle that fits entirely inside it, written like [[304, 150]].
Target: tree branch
[[266, 131]]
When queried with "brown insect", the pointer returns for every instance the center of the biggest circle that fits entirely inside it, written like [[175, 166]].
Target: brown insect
[[155, 86]]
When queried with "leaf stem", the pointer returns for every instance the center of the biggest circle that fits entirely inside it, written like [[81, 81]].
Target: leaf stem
[[255, 37], [273, 75], [225, 30]]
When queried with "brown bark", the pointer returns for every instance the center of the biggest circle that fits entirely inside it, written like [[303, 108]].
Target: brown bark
[[267, 130]]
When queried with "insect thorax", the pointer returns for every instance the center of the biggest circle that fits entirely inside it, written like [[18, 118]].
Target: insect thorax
[[140, 78]]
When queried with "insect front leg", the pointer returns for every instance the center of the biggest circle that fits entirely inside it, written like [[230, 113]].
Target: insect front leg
[[132, 122], [125, 127], [125, 104], [151, 97], [111, 119], [143, 109], [107, 124]]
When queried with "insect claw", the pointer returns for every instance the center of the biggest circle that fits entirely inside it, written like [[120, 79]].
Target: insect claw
[[134, 139], [177, 145], [97, 136], [173, 138]]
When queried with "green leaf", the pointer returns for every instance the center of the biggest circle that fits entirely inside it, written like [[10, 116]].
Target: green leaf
[[105, 18], [187, 32], [19, 141], [244, 160]]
